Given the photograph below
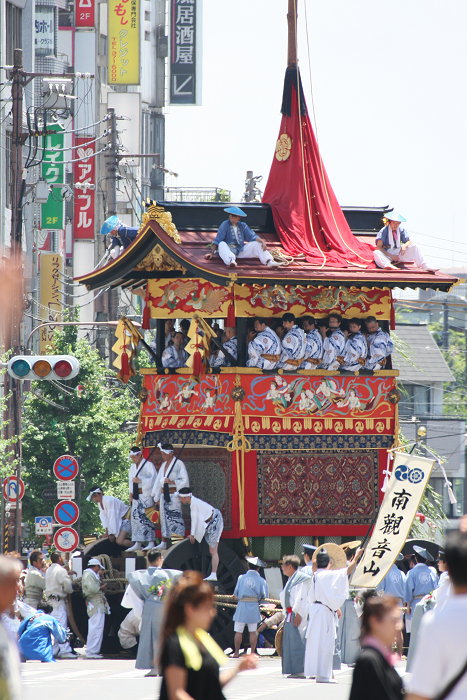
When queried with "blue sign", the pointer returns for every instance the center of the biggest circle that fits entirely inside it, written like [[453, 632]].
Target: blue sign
[[44, 525], [66, 512], [66, 468]]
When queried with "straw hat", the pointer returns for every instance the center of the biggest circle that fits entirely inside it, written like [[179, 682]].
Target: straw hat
[[336, 554]]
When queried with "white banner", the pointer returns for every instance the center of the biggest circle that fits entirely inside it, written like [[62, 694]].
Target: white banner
[[404, 492]]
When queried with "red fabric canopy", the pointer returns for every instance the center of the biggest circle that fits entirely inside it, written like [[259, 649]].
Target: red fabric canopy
[[306, 213]]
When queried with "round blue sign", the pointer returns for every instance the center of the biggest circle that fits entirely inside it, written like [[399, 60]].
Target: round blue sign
[[66, 468], [66, 512]]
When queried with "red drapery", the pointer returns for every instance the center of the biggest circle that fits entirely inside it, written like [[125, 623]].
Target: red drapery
[[306, 213]]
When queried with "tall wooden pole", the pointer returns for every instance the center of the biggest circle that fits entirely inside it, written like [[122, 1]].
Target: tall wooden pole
[[292, 59]]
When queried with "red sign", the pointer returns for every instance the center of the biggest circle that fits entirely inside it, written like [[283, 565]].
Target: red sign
[[84, 13], [10, 489], [66, 539], [85, 183], [66, 468]]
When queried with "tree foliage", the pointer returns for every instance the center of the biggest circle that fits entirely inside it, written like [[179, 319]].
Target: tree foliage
[[93, 427], [7, 445]]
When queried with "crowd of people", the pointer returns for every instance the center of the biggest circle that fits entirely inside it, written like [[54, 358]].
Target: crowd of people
[[290, 344]]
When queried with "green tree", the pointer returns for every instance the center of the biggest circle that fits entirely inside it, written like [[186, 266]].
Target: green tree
[[93, 426]]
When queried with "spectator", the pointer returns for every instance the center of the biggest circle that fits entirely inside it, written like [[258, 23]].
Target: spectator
[[10, 677]]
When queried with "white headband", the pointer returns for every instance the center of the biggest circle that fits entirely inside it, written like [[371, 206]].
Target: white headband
[[98, 490], [167, 452], [183, 495]]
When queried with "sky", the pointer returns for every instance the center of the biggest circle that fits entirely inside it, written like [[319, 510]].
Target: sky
[[390, 98]]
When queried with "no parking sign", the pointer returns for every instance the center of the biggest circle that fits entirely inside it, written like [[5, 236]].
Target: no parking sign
[[66, 468], [66, 513]]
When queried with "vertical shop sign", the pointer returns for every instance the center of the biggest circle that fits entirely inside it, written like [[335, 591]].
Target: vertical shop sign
[[53, 169], [84, 13], [183, 52], [51, 296], [123, 42], [85, 183]]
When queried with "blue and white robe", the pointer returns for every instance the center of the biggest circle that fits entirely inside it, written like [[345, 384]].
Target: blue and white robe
[[356, 348], [171, 518], [380, 346], [420, 581], [236, 243], [333, 347], [220, 361], [250, 585], [314, 350], [173, 359], [293, 349], [393, 583], [266, 343]]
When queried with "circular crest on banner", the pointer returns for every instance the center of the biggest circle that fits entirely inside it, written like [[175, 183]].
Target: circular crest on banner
[[66, 539], [283, 147], [66, 468], [66, 512]]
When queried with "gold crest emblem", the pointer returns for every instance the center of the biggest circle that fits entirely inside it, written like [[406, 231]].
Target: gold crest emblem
[[283, 147]]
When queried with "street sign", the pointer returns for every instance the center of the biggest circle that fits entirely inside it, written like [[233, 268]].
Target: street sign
[[66, 468], [66, 513], [66, 539], [44, 525], [50, 492], [9, 489], [65, 489]]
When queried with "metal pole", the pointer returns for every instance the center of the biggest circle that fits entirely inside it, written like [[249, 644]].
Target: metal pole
[[445, 326], [292, 34], [112, 166]]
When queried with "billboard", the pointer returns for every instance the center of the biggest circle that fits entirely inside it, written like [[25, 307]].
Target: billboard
[[123, 42], [84, 13], [51, 296], [183, 51], [85, 182]]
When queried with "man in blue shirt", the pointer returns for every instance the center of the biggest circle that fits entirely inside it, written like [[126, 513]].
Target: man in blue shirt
[[251, 588], [35, 636], [393, 245], [236, 240]]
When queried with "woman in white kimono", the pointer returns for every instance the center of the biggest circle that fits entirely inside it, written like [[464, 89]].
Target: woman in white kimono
[[328, 591], [141, 478], [171, 477]]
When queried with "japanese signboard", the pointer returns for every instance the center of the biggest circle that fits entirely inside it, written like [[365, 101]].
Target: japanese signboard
[[53, 170], [51, 296], [84, 10], [44, 525], [404, 492], [183, 52], [65, 489], [85, 169], [123, 42], [44, 30], [52, 211]]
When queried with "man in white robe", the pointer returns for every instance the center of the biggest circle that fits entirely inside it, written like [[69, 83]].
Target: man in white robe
[[328, 591], [333, 342], [355, 350], [293, 344], [380, 345], [314, 344], [112, 512], [57, 589], [141, 478], [293, 600], [264, 351], [171, 477], [207, 522]]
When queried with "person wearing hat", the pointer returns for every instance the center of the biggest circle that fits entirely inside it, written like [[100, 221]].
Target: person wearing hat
[[97, 607], [141, 480], [444, 589], [251, 588], [308, 551], [380, 345], [122, 236], [235, 239], [112, 512], [206, 521], [328, 591], [421, 580], [393, 245], [171, 477], [394, 584]]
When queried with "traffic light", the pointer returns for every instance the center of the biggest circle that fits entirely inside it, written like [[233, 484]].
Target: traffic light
[[43, 367]]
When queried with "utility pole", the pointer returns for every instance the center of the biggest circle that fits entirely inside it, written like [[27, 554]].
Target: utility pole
[[112, 166], [445, 326], [292, 59]]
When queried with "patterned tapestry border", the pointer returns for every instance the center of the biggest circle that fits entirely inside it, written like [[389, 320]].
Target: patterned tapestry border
[[273, 442], [331, 488]]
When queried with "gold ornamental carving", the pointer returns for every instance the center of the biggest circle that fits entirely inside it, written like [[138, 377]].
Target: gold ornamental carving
[[283, 147], [158, 259], [164, 219]]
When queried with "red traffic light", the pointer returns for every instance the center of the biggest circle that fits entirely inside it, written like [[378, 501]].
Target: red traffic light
[[47, 367], [63, 368]]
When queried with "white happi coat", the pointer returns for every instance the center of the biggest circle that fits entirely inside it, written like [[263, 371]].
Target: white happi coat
[[355, 348], [220, 360], [111, 512], [380, 346], [333, 346], [293, 349], [328, 591], [148, 476], [314, 349], [170, 513], [266, 343]]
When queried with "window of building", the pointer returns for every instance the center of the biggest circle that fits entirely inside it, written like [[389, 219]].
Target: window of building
[[14, 16], [415, 400], [452, 510]]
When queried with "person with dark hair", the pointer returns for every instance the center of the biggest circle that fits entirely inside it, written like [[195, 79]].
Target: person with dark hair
[[141, 479], [57, 589], [230, 345], [34, 583], [380, 345], [172, 475], [441, 653], [175, 355], [314, 344], [293, 600], [394, 584], [36, 633], [293, 344], [207, 522], [10, 674], [356, 349], [420, 581], [190, 658], [151, 586], [112, 512], [333, 342], [328, 591], [264, 350], [374, 676], [251, 588], [444, 589]]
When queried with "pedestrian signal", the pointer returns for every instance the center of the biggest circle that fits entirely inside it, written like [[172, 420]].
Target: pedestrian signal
[[43, 367]]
